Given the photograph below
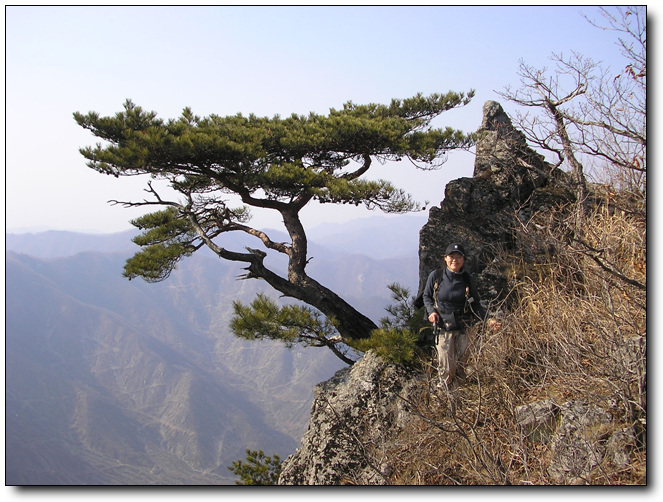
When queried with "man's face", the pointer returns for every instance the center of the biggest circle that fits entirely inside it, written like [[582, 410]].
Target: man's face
[[454, 261]]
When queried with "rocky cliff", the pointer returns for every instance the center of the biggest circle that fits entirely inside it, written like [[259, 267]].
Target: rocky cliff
[[355, 419], [510, 179], [377, 424]]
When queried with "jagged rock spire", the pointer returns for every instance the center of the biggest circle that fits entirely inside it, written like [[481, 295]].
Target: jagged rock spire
[[481, 211]]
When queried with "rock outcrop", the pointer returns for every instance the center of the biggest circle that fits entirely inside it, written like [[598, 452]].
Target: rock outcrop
[[509, 180], [581, 437], [352, 414]]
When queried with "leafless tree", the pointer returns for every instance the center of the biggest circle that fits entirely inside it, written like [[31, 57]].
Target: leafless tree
[[583, 112]]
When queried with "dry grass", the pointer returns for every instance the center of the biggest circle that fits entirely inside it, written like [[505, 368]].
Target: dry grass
[[575, 330]]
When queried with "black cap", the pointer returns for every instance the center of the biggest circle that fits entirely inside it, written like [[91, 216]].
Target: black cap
[[455, 248]]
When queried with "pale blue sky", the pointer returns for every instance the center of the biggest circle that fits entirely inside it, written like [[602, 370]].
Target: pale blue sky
[[262, 60]]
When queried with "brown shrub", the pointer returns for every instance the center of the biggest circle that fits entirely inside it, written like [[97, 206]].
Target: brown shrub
[[575, 330]]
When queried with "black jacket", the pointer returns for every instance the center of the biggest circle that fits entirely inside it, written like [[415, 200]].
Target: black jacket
[[451, 294]]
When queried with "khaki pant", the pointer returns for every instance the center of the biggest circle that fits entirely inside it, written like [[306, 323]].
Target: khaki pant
[[451, 351]]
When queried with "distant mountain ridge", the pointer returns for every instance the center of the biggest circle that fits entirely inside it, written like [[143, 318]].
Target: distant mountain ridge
[[378, 236], [59, 243], [110, 381]]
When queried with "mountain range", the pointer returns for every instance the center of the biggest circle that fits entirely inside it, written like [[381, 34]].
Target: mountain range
[[117, 382]]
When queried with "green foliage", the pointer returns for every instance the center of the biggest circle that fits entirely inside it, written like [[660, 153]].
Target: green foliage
[[396, 339], [259, 469], [165, 240], [163, 227], [301, 154], [291, 324], [155, 263], [403, 313], [396, 345], [373, 194]]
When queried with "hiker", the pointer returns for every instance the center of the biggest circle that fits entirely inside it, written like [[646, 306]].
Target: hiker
[[452, 303]]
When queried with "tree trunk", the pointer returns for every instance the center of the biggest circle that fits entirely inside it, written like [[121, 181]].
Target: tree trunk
[[577, 168], [350, 323]]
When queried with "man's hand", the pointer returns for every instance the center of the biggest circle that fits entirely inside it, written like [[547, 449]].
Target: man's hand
[[434, 318], [494, 323]]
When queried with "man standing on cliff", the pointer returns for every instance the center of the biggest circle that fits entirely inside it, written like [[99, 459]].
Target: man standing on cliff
[[452, 302]]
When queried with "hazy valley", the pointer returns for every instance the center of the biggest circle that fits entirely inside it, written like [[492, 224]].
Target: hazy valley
[[110, 381]]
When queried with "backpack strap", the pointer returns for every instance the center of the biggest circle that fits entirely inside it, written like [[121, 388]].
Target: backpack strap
[[436, 287], [468, 299]]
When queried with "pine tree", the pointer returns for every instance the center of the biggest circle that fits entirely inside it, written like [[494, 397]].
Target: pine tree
[[281, 164], [259, 469]]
